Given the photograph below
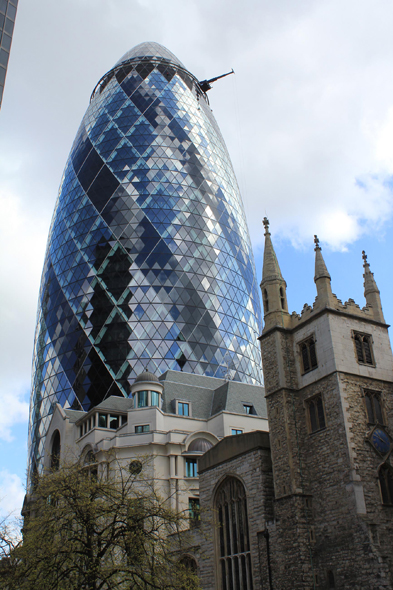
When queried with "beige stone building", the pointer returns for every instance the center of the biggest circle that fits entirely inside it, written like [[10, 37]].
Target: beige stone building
[[171, 420]]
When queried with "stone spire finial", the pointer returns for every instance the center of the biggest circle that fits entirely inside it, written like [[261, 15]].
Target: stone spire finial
[[271, 268], [370, 285], [320, 266], [322, 277], [371, 291], [273, 286]]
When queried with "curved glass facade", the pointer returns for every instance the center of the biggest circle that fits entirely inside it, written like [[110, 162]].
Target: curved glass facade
[[149, 263]]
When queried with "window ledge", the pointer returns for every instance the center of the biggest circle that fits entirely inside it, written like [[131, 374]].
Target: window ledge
[[318, 431]]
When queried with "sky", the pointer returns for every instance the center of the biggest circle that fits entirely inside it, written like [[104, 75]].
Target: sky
[[307, 118]]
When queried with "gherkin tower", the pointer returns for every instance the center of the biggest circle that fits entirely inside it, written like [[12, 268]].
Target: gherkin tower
[[148, 263]]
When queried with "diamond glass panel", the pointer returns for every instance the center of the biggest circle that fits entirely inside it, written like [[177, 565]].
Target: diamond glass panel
[[149, 264]]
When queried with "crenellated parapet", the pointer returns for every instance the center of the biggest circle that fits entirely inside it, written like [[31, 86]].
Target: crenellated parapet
[[350, 307], [273, 288]]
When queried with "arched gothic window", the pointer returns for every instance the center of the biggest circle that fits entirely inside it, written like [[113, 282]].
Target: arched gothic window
[[266, 300], [55, 454], [90, 464], [233, 544], [282, 298], [364, 348], [189, 563], [386, 484], [309, 355]]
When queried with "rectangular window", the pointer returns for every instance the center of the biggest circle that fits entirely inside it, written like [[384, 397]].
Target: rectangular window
[[183, 409], [155, 398], [373, 406], [248, 409], [93, 421], [123, 420], [194, 512], [308, 354], [142, 428], [236, 431], [363, 348], [114, 422], [102, 420], [142, 399], [316, 414], [191, 468]]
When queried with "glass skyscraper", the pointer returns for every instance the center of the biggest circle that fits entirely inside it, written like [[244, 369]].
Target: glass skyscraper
[[149, 263], [7, 22]]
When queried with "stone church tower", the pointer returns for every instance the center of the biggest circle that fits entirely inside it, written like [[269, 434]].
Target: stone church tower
[[329, 392]]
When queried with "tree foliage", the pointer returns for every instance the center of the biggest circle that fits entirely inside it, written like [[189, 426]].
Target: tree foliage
[[99, 533], [10, 540]]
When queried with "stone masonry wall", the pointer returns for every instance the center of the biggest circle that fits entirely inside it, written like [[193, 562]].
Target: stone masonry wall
[[378, 519], [254, 470], [328, 511]]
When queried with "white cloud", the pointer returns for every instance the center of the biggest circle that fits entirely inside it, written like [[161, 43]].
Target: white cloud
[[22, 242], [12, 493], [311, 83], [13, 409]]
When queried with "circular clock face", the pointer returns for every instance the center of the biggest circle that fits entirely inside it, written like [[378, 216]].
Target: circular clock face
[[380, 441]]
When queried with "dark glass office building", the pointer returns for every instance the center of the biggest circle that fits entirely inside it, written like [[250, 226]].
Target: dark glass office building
[[7, 22], [149, 263]]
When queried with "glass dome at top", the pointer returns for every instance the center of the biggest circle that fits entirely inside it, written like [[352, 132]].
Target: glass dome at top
[[150, 50], [148, 264]]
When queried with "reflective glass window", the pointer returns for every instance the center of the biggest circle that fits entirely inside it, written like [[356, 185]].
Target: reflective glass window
[[9, 26], [102, 420], [155, 398], [142, 399], [11, 11], [183, 408], [114, 422], [6, 41], [142, 428], [191, 467]]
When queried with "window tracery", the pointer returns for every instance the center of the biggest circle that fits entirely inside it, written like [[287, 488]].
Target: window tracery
[[363, 347], [233, 543]]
